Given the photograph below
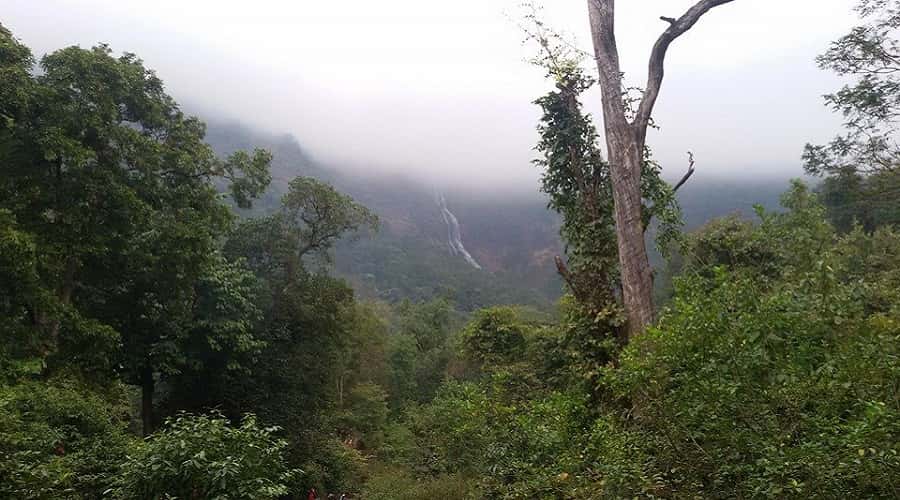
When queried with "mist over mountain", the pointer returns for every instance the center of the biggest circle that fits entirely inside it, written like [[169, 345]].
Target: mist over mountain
[[511, 235]]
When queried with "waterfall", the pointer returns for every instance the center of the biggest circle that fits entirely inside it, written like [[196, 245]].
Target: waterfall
[[454, 237]]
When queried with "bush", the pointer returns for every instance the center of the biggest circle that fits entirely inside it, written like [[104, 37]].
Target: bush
[[204, 456], [756, 384], [745, 392], [367, 414], [391, 484], [333, 467], [515, 448], [495, 335], [60, 439]]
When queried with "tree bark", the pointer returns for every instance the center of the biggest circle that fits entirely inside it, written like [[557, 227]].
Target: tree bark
[[148, 386], [340, 385], [634, 264], [625, 153], [65, 298], [625, 141]]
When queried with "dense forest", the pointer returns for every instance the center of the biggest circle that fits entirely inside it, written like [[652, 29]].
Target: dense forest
[[192, 311]]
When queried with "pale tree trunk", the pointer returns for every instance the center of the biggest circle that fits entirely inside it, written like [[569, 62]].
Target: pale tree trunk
[[625, 141]]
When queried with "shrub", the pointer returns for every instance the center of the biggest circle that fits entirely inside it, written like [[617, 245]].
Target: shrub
[[756, 384], [60, 439], [391, 484], [204, 456]]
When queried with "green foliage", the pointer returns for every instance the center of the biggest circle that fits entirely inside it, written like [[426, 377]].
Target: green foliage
[[399, 445], [734, 242], [577, 178], [420, 350], [870, 104], [782, 242], [293, 380], [454, 429], [15, 63], [25, 303], [395, 267], [204, 456], [60, 439], [773, 373], [312, 217], [319, 215], [514, 429], [226, 312], [367, 414], [428, 323], [517, 447], [19, 286], [117, 193], [313, 333], [762, 385], [860, 165], [113, 215], [389, 484], [868, 200], [494, 336], [222, 342], [404, 360], [247, 173], [589, 340], [333, 467]]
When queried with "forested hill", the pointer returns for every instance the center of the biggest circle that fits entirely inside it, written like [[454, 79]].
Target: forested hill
[[409, 257], [514, 239]]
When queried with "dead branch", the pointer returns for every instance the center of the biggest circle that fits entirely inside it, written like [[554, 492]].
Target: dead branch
[[648, 215], [657, 58], [687, 175]]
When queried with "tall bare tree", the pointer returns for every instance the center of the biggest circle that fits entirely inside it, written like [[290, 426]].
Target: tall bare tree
[[626, 135]]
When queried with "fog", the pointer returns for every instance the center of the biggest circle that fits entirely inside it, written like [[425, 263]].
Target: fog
[[441, 90]]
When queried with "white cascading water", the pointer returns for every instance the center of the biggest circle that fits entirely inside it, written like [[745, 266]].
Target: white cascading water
[[454, 237]]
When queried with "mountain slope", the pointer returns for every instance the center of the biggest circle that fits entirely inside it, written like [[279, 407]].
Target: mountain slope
[[513, 239], [410, 257]]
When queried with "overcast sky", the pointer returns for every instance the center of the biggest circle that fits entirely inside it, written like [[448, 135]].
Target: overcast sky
[[441, 89]]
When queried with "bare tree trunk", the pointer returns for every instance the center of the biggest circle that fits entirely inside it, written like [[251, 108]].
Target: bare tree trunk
[[625, 141], [148, 386], [625, 152], [65, 298], [634, 264]]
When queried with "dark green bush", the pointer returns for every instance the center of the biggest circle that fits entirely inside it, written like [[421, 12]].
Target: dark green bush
[[60, 439]]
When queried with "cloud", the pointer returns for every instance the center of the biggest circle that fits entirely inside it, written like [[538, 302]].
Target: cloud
[[441, 90]]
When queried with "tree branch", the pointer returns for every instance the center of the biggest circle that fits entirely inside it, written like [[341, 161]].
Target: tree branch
[[649, 213], [687, 175], [677, 27], [566, 275]]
